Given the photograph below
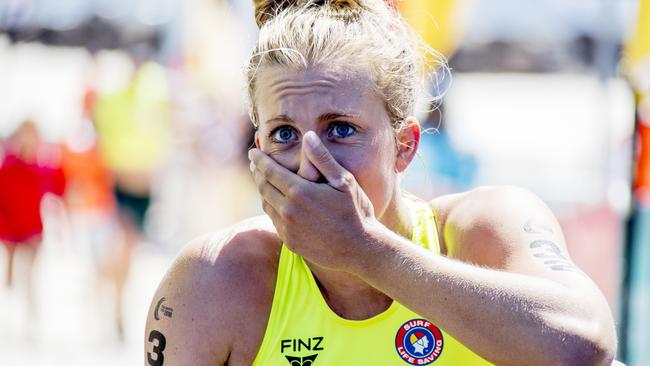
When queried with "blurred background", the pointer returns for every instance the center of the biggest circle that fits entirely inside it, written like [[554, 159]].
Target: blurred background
[[123, 134]]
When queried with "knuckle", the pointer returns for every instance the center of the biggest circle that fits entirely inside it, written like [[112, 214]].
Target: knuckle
[[295, 192], [258, 165], [347, 178], [259, 182], [264, 189], [258, 178], [271, 175], [288, 213]]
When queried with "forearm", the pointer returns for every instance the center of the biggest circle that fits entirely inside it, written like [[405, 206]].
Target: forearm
[[507, 318]]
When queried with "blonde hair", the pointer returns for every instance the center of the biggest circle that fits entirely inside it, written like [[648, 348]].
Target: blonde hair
[[348, 36]]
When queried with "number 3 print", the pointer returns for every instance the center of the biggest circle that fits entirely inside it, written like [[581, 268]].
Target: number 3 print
[[157, 349]]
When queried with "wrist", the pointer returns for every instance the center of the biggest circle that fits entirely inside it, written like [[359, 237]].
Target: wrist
[[376, 246]]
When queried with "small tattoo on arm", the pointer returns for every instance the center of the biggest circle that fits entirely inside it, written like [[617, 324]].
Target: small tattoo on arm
[[158, 348], [162, 309], [552, 256]]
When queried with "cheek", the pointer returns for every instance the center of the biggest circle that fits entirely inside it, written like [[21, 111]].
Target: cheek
[[374, 171], [288, 158]]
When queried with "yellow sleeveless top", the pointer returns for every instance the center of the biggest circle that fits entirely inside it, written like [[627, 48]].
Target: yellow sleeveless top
[[302, 329]]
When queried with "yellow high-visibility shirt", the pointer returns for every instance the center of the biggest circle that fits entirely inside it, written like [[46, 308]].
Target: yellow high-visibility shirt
[[302, 330]]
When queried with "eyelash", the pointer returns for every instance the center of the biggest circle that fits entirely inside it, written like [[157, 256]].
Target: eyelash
[[332, 126], [273, 132], [330, 131]]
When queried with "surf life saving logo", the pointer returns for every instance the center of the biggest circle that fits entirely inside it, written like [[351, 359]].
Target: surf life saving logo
[[418, 342]]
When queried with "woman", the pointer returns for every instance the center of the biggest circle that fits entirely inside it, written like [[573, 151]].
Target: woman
[[329, 275], [29, 172]]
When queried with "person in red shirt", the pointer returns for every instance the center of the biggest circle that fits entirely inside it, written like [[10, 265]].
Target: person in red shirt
[[28, 172]]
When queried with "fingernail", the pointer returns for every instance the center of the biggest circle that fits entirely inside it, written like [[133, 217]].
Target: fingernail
[[250, 152], [311, 139]]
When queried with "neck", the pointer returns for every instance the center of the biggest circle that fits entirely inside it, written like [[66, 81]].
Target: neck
[[346, 294]]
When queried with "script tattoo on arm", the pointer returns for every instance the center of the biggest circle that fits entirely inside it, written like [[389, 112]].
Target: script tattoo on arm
[[534, 227], [547, 250], [158, 348], [552, 256]]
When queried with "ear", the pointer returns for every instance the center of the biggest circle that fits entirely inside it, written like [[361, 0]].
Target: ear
[[257, 140], [408, 140]]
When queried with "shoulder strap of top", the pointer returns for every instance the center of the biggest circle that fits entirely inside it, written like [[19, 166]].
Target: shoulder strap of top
[[281, 299], [425, 230]]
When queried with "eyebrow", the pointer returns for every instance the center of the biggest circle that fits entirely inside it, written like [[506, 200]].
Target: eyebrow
[[321, 118]]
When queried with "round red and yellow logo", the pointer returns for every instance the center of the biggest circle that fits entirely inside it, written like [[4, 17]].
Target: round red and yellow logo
[[418, 342]]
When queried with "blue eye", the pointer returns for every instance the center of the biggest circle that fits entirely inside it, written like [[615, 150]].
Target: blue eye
[[283, 135], [341, 130]]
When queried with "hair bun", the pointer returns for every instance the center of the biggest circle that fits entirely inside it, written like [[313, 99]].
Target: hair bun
[[267, 9]]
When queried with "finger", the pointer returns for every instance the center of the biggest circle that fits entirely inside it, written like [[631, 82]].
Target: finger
[[307, 170], [279, 176], [268, 192], [318, 154], [271, 212]]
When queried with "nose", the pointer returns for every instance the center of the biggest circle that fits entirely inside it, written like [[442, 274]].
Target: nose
[[306, 169]]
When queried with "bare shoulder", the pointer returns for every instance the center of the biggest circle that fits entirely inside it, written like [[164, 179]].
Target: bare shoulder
[[487, 225], [218, 285], [513, 230], [507, 228], [485, 201]]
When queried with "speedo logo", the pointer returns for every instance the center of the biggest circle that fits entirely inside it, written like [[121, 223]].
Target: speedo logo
[[301, 345]]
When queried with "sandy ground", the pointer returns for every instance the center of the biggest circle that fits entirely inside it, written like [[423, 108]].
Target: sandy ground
[[73, 323]]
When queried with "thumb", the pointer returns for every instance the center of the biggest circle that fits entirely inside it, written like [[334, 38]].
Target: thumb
[[307, 169], [322, 160]]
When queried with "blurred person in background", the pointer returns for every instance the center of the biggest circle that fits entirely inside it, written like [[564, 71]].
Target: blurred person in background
[[346, 268], [91, 204], [29, 170], [133, 127]]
